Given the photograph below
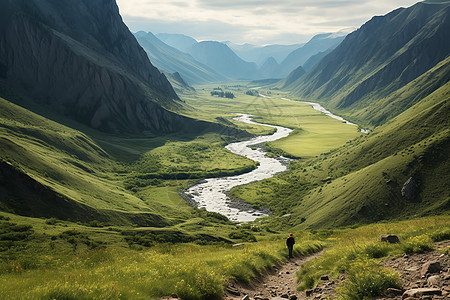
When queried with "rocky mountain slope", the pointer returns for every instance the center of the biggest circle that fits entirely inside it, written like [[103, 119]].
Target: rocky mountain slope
[[78, 59], [381, 57], [169, 59]]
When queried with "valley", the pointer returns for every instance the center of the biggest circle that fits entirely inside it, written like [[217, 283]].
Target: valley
[[136, 165]]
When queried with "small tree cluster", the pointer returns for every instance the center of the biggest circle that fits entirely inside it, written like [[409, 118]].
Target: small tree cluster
[[223, 94]]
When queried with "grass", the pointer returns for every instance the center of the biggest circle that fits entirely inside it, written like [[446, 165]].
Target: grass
[[314, 132], [357, 253], [49, 266], [361, 181]]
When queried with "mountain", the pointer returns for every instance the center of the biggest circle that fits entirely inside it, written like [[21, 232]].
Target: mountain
[[313, 60], [179, 84], [384, 55], [169, 59], [398, 170], [318, 43], [260, 54], [291, 78], [269, 68], [79, 60], [178, 41], [222, 59]]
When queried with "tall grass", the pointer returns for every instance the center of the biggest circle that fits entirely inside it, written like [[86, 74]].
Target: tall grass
[[188, 270]]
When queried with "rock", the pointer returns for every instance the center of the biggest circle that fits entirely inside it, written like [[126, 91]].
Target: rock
[[434, 281], [324, 278], [309, 292], [285, 296], [287, 272], [410, 189], [293, 297], [390, 238], [420, 292], [233, 291], [430, 268], [394, 292], [246, 297]]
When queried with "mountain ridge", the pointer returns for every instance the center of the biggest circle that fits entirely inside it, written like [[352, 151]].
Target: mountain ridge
[[101, 78]]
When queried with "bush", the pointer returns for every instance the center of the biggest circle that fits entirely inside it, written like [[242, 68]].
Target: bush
[[377, 250], [366, 280], [417, 244], [440, 235]]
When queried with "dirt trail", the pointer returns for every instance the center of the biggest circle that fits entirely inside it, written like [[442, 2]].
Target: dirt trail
[[280, 283]]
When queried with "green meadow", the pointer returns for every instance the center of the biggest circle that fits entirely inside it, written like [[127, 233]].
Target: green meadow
[[314, 132], [130, 235]]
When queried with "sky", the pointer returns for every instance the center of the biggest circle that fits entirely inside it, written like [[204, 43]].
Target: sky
[[253, 21]]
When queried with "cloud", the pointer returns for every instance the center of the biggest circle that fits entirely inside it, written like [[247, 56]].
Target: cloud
[[253, 21]]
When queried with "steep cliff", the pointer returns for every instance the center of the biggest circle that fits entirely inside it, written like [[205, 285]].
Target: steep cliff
[[79, 59]]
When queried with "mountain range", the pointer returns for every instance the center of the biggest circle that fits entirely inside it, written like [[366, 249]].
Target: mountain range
[[381, 57], [171, 60], [242, 61]]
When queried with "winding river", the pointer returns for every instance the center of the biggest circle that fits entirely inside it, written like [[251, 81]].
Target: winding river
[[211, 194]]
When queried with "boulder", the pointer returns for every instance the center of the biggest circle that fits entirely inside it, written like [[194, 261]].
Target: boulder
[[434, 281], [421, 292], [430, 267], [390, 238]]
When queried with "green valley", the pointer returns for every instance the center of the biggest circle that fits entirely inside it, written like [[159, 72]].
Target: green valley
[[119, 180]]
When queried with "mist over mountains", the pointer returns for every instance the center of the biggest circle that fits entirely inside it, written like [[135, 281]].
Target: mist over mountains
[[230, 60]]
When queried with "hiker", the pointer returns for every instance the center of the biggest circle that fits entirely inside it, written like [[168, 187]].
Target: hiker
[[290, 244]]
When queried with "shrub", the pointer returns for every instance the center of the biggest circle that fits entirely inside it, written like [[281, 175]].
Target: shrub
[[367, 279], [377, 250], [440, 235], [417, 244]]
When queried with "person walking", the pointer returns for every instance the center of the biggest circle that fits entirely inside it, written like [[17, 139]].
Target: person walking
[[290, 244]]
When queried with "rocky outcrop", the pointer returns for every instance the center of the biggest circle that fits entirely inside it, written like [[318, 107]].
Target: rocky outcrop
[[79, 59], [410, 189]]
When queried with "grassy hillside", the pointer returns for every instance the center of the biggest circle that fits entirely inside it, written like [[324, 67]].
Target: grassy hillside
[[361, 182], [50, 170]]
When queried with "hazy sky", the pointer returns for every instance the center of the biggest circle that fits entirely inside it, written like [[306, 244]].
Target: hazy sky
[[252, 21]]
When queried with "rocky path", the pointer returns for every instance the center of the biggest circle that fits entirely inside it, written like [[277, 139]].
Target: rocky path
[[424, 276], [279, 283]]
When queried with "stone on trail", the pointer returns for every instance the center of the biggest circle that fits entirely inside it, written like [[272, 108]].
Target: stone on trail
[[430, 268], [246, 297], [420, 292], [434, 281]]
